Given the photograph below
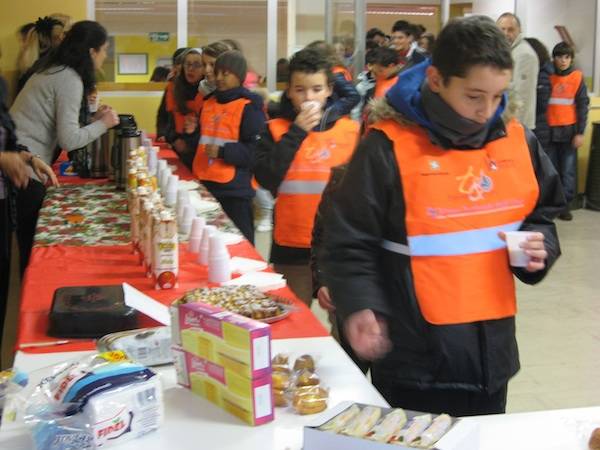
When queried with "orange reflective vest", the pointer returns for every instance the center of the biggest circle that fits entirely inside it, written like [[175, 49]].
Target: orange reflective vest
[[561, 107], [299, 193], [456, 203], [219, 125], [383, 85], [345, 72], [194, 106]]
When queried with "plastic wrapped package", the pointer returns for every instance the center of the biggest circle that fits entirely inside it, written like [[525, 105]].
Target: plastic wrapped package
[[147, 346], [12, 381], [102, 400]]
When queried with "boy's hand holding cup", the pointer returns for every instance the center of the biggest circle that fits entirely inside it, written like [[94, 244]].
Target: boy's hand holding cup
[[309, 116], [525, 249]]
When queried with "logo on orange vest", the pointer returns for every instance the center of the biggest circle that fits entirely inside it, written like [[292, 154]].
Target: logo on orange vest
[[434, 165], [321, 153], [474, 186]]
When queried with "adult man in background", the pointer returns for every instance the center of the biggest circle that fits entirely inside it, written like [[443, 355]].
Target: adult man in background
[[526, 68]]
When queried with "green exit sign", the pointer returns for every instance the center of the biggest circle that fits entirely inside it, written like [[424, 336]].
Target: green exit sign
[[159, 36]]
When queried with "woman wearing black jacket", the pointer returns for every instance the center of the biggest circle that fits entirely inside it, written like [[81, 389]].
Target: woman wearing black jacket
[[15, 163]]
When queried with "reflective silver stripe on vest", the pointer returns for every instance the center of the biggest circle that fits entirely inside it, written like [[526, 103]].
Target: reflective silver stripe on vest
[[302, 187], [561, 101], [395, 247], [215, 140]]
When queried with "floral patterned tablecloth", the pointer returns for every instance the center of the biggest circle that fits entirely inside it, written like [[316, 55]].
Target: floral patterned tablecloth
[[83, 215], [86, 215]]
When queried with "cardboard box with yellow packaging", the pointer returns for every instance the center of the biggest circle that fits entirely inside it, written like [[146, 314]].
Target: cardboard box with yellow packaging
[[249, 399], [229, 340]]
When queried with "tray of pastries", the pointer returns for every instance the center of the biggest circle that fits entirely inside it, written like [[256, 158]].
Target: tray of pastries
[[245, 300]]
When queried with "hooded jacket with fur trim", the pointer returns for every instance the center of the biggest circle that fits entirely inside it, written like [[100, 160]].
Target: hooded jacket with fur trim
[[368, 206]]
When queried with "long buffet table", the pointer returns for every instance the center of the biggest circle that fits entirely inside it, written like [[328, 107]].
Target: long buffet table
[[192, 422], [82, 239]]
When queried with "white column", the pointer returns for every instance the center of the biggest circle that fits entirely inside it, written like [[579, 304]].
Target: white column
[[182, 23], [291, 27], [272, 45], [596, 60], [360, 19], [329, 21], [91, 10], [445, 7], [493, 8]]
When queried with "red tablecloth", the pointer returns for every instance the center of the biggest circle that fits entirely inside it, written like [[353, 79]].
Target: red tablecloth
[[59, 265]]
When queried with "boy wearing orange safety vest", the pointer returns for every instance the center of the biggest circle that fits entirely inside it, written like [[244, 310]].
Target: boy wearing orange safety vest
[[413, 250], [384, 68], [294, 160], [231, 121], [567, 117]]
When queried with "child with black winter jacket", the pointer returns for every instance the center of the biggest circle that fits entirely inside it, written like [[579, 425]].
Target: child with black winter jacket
[[567, 117], [231, 121], [294, 159]]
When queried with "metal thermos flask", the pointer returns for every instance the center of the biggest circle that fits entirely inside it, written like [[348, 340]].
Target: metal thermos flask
[[127, 138], [99, 156]]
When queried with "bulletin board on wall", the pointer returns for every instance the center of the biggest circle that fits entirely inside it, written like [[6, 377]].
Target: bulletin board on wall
[[132, 63]]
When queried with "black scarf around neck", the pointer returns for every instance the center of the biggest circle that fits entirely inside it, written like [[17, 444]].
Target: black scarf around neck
[[451, 129]]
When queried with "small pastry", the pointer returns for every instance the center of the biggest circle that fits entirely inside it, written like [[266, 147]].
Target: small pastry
[[363, 422], [310, 400], [307, 378], [281, 379], [594, 442], [280, 359], [279, 398], [341, 420], [305, 362]]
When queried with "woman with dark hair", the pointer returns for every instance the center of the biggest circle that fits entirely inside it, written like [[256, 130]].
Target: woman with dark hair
[[160, 74], [48, 112], [544, 89], [184, 103]]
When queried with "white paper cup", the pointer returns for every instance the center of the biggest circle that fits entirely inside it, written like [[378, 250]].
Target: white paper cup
[[209, 230], [219, 265], [517, 255], [198, 225], [310, 105]]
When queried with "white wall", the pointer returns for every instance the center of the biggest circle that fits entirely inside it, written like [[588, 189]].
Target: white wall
[[493, 8], [538, 18]]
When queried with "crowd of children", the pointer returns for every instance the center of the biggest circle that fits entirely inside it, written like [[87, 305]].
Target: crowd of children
[[368, 181]]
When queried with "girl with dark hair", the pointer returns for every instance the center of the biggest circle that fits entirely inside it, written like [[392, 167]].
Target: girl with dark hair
[[184, 103], [47, 112]]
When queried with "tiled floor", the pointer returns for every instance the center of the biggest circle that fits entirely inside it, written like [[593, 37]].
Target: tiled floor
[[558, 324]]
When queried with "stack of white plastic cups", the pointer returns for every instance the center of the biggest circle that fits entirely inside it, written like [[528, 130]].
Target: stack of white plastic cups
[[160, 166], [209, 230], [171, 191], [198, 224], [152, 153], [189, 213], [183, 200], [219, 265]]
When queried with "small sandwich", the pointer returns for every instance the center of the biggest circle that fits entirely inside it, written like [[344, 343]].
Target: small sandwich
[[363, 422], [341, 420], [413, 431], [391, 424]]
